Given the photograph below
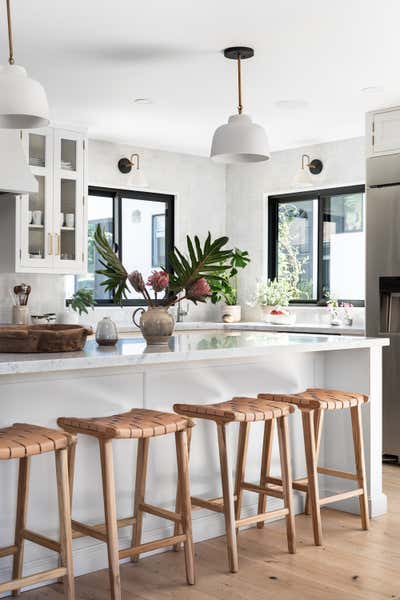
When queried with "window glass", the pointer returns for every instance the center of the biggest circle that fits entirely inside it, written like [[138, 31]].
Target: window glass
[[143, 236], [297, 251], [343, 260], [100, 211]]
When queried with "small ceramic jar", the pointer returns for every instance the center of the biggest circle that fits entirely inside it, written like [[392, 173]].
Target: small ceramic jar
[[106, 332]]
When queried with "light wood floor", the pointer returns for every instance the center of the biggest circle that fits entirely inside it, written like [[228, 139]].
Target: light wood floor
[[352, 565]]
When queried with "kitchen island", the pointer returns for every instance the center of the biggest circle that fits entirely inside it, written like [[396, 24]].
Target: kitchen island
[[201, 367]]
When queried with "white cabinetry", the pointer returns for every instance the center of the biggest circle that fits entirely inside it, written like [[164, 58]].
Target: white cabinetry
[[383, 132], [47, 230]]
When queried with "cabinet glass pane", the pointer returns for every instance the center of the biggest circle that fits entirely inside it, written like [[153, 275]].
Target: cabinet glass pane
[[68, 155], [67, 219], [37, 150], [36, 222]]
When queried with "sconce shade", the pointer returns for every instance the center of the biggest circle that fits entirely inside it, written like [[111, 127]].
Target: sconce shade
[[240, 141], [23, 101], [303, 178]]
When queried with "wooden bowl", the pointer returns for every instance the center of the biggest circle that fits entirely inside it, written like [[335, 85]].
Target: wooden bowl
[[43, 338]]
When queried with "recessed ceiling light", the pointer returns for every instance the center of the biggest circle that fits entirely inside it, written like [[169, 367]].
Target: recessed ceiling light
[[372, 89], [292, 104], [143, 101]]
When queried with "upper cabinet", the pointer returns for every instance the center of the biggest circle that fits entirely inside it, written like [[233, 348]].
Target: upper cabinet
[[383, 132], [50, 232]]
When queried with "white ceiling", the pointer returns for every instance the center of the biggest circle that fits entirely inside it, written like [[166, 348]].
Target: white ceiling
[[94, 57]]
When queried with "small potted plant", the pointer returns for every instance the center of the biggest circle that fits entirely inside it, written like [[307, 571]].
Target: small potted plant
[[347, 309], [332, 306], [270, 295], [80, 303], [225, 288]]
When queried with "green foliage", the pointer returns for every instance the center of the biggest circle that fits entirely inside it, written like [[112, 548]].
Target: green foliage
[[290, 264], [225, 287], [82, 300], [208, 261], [272, 293], [115, 275]]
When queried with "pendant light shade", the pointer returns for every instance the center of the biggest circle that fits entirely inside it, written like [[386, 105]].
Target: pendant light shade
[[240, 140], [23, 101]]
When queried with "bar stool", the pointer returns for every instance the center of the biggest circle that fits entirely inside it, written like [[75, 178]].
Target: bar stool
[[313, 403], [141, 424], [245, 411], [21, 441]]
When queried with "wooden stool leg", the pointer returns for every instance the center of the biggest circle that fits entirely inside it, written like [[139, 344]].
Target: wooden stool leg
[[318, 422], [140, 488], [310, 447], [356, 423], [287, 482], [20, 524], [64, 508], [185, 502], [178, 526], [110, 511], [265, 466], [71, 472], [241, 467], [229, 504]]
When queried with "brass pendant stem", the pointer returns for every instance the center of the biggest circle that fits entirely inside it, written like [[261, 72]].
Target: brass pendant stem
[[240, 105], [11, 60]]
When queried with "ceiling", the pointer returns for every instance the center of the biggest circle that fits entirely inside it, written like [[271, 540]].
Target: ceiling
[[95, 57]]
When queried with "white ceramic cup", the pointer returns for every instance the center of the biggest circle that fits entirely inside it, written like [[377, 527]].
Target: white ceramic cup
[[37, 216], [62, 219], [70, 220], [29, 217]]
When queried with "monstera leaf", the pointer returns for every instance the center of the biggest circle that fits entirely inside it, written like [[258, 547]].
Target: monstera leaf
[[115, 274], [208, 261]]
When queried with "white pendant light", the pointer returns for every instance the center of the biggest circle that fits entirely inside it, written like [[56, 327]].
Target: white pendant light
[[23, 101], [240, 140], [308, 169]]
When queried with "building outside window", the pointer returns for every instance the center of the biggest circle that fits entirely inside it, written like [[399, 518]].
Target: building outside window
[[317, 243]]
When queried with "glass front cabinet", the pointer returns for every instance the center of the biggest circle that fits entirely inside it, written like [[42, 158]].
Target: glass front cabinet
[[50, 230]]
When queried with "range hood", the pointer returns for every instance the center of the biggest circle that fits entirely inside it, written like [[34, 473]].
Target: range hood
[[15, 174]]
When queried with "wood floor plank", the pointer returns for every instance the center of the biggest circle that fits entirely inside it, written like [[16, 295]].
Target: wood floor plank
[[352, 565]]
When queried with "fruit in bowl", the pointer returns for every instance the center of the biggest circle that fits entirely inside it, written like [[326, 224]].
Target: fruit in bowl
[[281, 316]]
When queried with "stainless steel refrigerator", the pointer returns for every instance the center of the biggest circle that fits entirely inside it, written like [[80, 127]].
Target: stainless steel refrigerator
[[383, 283]]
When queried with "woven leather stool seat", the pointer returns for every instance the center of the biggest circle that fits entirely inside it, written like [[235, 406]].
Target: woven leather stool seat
[[237, 409], [137, 423], [315, 398], [22, 440]]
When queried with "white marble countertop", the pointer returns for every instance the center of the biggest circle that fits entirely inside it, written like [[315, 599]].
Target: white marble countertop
[[306, 327], [183, 347]]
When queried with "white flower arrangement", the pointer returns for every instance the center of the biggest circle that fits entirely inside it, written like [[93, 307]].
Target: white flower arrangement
[[272, 293]]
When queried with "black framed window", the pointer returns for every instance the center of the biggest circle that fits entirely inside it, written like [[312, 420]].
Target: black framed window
[[140, 225], [317, 242]]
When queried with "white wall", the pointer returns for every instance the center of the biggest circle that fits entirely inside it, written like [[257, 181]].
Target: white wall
[[248, 186]]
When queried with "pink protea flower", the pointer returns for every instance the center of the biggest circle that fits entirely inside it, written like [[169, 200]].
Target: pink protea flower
[[158, 280], [136, 280], [199, 291]]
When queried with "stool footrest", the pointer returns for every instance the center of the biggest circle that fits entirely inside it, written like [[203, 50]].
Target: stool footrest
[[141, 548], [163, 513], [215, 504], [335, 473], [301, 485], [41, 540], [8, 550], [267, 516], [341, 496], [275, 492], [97, 531], [16, 584]]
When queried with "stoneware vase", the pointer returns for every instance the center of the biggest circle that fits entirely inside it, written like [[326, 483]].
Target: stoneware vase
[[106, 332], [156, 324]]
